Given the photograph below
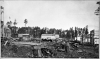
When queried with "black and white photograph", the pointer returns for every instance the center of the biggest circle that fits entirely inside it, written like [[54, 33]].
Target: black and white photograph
[[49, 28]]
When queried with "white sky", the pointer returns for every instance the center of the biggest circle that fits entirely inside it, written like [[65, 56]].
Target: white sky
[[52, 14]]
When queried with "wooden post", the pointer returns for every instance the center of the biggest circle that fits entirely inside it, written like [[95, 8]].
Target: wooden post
[[39, 50], [82, 42], [68, 48], [39, 53], [93, 42]]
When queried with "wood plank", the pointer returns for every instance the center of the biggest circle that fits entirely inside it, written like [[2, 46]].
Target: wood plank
[[26, 43]]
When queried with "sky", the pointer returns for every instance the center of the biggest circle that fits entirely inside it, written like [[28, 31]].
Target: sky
[[52, 14]]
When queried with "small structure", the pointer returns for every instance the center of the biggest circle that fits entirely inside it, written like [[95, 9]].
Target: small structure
[[96, 39], [86, 38], [78, 38], [49, 36], [7, 32], [24, 36]]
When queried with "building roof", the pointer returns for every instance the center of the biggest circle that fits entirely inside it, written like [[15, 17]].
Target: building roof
[[24, 34], [49, 34]]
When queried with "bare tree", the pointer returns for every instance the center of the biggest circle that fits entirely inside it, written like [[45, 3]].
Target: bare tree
[[25, 21], [15, 23]]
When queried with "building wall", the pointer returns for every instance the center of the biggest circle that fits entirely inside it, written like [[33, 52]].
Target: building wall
[[50, 37], [7, 32], [96, 41], [21, 35]]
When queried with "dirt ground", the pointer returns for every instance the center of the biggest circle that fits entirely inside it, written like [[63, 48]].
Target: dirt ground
[[27, 52]]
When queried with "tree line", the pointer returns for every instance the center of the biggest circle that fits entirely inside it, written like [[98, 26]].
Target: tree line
[[37, 31]]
